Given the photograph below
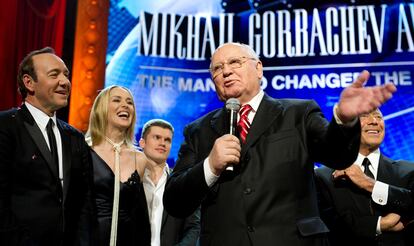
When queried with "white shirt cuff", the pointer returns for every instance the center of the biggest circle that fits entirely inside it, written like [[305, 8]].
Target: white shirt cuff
[[339, 122], [380, 193], [379, 226], [210, 177]]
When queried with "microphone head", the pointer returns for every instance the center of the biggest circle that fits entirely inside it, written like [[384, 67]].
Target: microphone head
[[233, 104]]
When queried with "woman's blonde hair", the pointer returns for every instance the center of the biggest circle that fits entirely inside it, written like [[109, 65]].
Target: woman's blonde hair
[[98, 119]]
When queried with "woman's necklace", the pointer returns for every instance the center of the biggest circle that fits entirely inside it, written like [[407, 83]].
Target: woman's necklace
[[115, 207]]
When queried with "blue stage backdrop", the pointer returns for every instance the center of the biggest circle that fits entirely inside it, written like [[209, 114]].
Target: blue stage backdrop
[[310, 49]]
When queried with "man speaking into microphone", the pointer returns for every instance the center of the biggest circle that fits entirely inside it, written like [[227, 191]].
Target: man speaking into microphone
[[269, 198]]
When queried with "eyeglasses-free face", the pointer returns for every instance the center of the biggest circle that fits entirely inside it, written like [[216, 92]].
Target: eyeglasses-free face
[[232, 62], [372, 130]]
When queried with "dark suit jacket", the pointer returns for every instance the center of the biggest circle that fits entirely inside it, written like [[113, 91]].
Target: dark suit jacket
[[178, 231], [34, 210], [270, 197], [350, 212]]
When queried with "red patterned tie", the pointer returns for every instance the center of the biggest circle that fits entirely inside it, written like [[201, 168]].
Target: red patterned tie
[[244, 124]]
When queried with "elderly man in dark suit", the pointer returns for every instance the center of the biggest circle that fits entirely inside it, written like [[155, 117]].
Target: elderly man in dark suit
[[45, 170], [370, 202], [269, 198]]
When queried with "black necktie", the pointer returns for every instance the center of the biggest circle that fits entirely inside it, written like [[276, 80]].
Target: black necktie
[[52, 143], [366, 163]]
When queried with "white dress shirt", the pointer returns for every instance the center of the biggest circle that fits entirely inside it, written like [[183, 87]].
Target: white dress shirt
[[153, 194], [41, 120]]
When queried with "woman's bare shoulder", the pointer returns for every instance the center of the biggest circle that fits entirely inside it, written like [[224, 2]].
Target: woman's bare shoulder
[[140, 156], [140, 160]]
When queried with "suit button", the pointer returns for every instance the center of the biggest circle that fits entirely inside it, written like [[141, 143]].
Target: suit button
[[250, 228], [247, 191]]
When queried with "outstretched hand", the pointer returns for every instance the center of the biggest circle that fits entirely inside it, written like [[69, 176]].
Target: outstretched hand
[[357, 99]]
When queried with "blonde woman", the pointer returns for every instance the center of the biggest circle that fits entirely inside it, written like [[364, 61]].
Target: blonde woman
[[122, 217]]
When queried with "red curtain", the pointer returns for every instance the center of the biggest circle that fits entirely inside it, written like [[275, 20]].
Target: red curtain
[[26, 25]]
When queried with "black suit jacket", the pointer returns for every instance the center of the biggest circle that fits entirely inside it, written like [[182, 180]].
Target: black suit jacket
[[352, 215], [34, 209], [180, 231], [270, 197]]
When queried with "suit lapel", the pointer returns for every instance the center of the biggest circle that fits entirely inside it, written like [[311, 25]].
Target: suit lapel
[[218, 122], [383, 173], [38, 138], [386, 173], [66, 156], [269, 109], [164, 213], [164, 218]]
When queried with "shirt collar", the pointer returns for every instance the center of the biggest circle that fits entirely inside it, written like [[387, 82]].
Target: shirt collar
[[373, 157], [166, 171], [40, 117], [255, 102]]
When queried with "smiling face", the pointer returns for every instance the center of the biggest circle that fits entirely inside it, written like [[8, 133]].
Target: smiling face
[[157, 144], [121, 109], [242, 82], [372, 131], [51, 90]]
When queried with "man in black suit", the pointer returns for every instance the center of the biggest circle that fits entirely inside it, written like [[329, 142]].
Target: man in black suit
[[45, 170], [370, 202], [166, 230], [269, 198]]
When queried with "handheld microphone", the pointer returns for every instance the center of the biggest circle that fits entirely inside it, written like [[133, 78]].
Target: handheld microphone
[[233, 107]]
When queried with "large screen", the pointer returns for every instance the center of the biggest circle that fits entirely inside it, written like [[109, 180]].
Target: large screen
[[310, 49]]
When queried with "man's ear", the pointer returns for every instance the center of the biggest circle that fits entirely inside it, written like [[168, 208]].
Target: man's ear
[[259, 68], [28, 82], [142, 143]]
